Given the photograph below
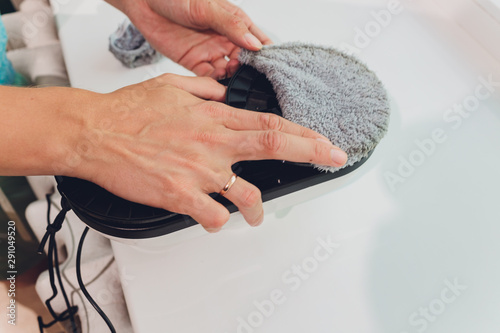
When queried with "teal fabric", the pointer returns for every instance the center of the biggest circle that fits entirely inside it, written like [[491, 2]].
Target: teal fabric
[[8, 75]]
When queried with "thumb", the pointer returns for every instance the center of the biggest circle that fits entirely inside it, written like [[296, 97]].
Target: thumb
[[233, 27]]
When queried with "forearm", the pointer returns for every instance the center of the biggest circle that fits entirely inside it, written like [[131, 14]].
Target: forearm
[[40, 128]]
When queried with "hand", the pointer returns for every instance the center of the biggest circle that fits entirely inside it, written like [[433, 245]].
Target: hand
[[197, 34], [161, 143]]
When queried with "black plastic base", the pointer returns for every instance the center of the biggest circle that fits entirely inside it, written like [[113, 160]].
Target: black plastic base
[[118, 217]]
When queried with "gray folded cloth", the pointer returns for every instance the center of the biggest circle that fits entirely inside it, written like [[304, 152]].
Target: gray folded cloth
[[130, 47], [327, 91]]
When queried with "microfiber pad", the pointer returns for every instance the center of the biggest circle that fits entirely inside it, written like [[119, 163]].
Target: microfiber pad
[[130, 47], [327, 91]]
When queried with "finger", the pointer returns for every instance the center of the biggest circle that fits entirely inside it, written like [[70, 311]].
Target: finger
[[231, 26], [235, 53], [219, 74], [203, 69], [206, 69], [202, 87], [234, 63], [208, 212], [239, 120], [213, 49], [254, 29], [237, 11], [248, 199], [220, 66], [232, 67], [276, 145]]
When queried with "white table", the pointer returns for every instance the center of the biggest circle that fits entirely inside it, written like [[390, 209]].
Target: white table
[[416, 229]]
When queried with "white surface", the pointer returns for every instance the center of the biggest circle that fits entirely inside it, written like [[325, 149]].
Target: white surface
[[399, 249], [492, 7], [479, 18]]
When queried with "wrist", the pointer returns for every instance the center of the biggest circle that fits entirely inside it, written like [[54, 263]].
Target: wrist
[[41, 129], [73, 136]]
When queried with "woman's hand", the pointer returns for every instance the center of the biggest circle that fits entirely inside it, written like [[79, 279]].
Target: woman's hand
[[198, 34], [161, 143]]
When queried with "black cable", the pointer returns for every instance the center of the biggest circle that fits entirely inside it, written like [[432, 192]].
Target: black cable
[[82, 286], [53, 259]]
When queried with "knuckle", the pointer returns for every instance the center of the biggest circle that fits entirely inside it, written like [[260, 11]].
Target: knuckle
[[165, 78], [189, 203], [184, 198], [319, 152], [200, 11], [213, 109], [235, 22], [251, 197], [271, 122], [239, 12], [205, 137], [243, 16], [157, 81], [273, 141], [247, 148], [177, 204]]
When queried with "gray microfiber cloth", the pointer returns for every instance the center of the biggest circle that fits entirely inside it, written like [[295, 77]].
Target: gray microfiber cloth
[[327, 91], [130, 47]]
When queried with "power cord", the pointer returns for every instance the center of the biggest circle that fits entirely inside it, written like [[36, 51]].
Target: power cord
[[50, 237], [82, 285]]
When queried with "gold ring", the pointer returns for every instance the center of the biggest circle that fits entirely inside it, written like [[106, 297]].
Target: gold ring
[[229, 184]]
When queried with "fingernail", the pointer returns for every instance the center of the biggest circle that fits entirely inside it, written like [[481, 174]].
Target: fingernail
[[339, 157], [252, 40], [212, 230], [324, 140]]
